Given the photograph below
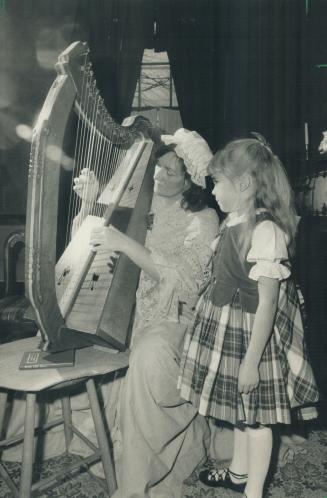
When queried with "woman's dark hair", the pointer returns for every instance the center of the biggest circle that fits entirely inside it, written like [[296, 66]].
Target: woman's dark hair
[[195, 197]]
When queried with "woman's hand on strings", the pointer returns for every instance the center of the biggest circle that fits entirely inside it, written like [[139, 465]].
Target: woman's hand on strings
[[248, 377], [112, 240], [86, 186], [108, 238]]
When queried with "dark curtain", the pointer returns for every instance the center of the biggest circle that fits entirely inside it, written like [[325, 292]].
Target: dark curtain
[[264, 73], [117, 32], [32, 34], [188, 31], [238, 67], [317, 79]]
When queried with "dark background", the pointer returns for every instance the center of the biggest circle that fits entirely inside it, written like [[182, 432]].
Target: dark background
[[238, 66]]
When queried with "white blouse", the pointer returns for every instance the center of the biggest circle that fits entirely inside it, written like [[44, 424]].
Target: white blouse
[[269, 252]]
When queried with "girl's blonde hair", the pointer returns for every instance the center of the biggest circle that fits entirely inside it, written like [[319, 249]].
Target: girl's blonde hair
[[272, 190]]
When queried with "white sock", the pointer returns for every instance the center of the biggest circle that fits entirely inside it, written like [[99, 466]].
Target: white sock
[[259, 456], [238, 464]]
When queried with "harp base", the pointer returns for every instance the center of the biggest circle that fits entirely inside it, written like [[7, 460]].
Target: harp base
[[74, 339]]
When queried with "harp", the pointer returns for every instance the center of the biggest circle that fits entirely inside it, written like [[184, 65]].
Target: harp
[[76, 298]]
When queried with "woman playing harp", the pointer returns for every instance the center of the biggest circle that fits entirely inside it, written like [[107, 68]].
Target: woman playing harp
[[120, 155]]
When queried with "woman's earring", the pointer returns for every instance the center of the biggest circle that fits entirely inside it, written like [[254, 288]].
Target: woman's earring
[[187, 184]]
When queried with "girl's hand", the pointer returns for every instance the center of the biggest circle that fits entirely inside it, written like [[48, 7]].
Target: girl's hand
[[248, 377], [86, 186], [107, 238]]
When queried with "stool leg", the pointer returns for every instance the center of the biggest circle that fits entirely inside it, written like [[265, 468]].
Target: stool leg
[[102, 437], [67, 416], [3, 404], [28, 447]]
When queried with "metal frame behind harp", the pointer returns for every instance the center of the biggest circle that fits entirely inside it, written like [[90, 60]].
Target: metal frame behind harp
[[59, 324]]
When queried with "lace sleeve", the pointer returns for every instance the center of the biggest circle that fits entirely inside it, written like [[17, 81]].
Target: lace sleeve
[[198, 244], [182, 271]]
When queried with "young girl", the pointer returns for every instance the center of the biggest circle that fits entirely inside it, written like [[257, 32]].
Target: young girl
[[244, 359]]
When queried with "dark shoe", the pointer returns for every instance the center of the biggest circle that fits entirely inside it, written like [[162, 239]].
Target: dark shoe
[[221, 479]]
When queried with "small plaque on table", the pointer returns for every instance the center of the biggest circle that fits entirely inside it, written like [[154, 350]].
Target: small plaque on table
[[45, 359]]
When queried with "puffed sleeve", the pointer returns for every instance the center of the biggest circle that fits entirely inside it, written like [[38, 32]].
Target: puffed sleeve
[[269, 252]]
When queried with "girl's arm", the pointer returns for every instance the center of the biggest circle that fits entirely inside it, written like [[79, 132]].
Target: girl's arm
[[268, 289], [110, 239]]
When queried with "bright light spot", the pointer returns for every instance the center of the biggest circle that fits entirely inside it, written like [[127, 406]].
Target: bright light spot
[[57, 155], [24, 131], [53, 153], [67, 162]]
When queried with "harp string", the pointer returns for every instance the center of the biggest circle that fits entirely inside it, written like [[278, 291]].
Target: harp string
[[82, 139], [104, 170], [93, 149], [101, 172], [80, 148], [86, 142], [72, 209], [83, 149], [90, 149], [98, 167]]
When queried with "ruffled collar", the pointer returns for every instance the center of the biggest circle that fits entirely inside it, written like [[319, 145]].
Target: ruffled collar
[[159, 204]]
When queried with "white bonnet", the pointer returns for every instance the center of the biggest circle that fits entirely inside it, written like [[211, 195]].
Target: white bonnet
[[194, 151]]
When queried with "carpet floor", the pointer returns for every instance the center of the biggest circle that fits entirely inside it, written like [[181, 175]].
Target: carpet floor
[[305, 477]]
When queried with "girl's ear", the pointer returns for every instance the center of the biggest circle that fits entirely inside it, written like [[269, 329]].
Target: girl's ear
[[245, 182]]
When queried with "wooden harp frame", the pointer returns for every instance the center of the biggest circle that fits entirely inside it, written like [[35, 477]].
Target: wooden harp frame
[[42, 206]]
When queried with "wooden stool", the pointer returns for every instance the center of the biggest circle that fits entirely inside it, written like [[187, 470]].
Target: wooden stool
[[89, 362]]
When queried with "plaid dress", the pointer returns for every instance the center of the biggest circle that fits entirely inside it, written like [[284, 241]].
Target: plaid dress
[[215, 346]]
